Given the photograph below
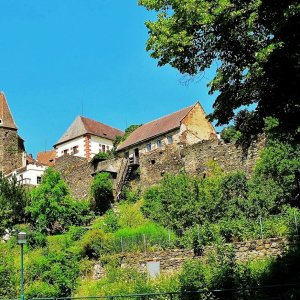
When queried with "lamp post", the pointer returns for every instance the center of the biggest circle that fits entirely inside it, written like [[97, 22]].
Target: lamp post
[[22, 241]]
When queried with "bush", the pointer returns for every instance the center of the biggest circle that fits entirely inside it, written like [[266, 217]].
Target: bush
[[51, 208], [94, 243], [230, 134], [102, 192], [13, 200], [41, 289]]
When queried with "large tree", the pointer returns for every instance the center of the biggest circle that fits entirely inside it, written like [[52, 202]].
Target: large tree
[[254, 42]]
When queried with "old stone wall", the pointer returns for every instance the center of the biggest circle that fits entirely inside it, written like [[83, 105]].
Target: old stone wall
[[193, 159], [171, 260], [11, 150], [76, 171]]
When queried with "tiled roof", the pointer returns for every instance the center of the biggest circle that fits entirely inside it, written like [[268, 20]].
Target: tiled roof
[[83, 125], [155, 128], [29, 159], [6, 117], [47, 157]]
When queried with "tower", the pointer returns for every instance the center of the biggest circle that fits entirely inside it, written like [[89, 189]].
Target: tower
[[12, 149]]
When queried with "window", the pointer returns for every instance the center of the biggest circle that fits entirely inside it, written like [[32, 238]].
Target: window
[[148, 146], [74, 150], [159, 143], [126, 154], [103, 148], [65, 152], [170, 139], [107, 148], [38, 180]]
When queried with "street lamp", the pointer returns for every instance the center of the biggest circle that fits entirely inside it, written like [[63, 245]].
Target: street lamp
[[22, 241]]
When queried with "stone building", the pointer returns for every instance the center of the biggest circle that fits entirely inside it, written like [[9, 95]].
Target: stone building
[[86, 138], [12, 151], [186, 127]]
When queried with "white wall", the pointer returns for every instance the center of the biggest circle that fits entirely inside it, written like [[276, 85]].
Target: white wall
[[96, 141], [69, 145], [30, 173]]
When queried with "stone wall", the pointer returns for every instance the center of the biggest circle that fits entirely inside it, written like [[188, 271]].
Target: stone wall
[[76, 171], [171, 260], [193, 159], [11, 150]]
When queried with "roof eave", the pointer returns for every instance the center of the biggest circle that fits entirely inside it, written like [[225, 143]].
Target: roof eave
[[144, 140]]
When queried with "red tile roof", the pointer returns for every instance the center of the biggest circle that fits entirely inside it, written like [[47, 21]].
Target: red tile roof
[[82, 126], [155, 128], [47, 158], [6, 117]]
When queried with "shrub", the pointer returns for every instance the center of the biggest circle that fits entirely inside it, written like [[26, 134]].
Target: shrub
[[102, 192], [94, 243], [41, 289], [13, 200], [51, 208], [230, 134]]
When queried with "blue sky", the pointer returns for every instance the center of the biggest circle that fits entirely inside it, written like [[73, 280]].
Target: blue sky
[[61, 58]]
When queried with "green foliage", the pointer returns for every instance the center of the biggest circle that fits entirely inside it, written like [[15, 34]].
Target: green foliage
[[128, 131], [230, 134], [13, 199], [94, 243], [42, 289], [51, 208], [55, 271], [102, 156], [102, 192], [8, 276], [254, 42]]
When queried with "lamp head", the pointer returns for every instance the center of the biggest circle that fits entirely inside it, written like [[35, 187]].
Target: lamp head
[[22, 238]]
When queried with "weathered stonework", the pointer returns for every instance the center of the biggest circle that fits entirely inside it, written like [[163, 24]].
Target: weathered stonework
[[193, 159], [171, 260], [77, 173], [11, 150]]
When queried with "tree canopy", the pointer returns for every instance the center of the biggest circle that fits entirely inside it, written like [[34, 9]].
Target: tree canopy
[[255, 44]]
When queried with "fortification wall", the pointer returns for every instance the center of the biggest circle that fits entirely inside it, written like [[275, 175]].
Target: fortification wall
[[171, 260], [193, 159], [76, 172]]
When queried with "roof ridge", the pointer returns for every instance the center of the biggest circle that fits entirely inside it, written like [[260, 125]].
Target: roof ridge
[[191, 106]]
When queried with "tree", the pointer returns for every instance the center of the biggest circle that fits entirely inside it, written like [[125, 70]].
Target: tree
[[255, 43], [13, 199], [51, 207], [102, 192], [128, 131]]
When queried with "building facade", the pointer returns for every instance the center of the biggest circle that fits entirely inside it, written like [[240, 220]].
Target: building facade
[[184, 127], [86, 138]]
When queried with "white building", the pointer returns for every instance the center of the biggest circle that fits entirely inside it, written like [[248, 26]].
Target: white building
[[31, 174], [86, 138]]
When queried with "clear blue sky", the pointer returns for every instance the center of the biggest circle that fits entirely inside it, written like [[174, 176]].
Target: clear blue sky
[[60, 58]]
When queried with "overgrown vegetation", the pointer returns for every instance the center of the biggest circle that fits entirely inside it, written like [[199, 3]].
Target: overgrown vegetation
[[182, 211]]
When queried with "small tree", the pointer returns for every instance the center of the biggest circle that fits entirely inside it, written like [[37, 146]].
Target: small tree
[[102, 192], [13, 199], [52, 208]]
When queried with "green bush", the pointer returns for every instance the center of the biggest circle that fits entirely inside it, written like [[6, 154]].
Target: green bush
[[41, 289], [51, 208], [13, 200], [59, 270], [95, 242], [102, 192], [8, 276], [230, 134]]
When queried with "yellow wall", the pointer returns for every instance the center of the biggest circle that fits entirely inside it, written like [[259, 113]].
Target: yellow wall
[[195, 127]]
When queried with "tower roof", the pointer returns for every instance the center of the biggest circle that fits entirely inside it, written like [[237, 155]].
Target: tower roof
[[6, 118]]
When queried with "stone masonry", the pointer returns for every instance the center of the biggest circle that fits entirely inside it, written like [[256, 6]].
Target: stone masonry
[[171, 260], [193, 159]]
